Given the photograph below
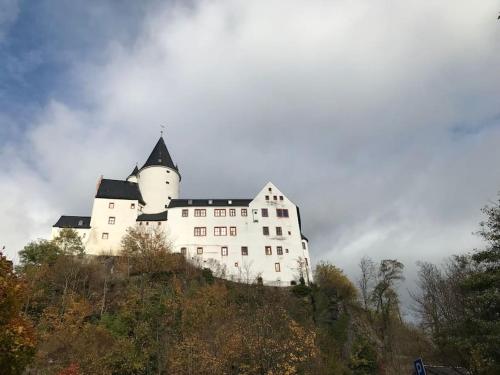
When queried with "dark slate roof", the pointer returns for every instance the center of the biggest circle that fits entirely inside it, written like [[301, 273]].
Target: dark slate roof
[[304, 237], [73, 222], [160, 156], [117, 189], [135, 172], [162, 216], [205, 202]]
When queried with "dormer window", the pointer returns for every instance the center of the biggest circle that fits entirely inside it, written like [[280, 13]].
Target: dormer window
[[80, 223]]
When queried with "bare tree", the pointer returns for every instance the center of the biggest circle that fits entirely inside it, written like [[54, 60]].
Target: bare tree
[[366, 280]]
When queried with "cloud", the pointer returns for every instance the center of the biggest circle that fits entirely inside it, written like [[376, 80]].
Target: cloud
[[379, 119]]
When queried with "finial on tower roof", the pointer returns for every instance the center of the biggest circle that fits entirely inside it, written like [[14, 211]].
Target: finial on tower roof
[[162, 130]]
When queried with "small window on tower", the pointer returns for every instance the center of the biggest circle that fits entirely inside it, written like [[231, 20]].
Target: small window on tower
[[199, 250], [269, 251], [267, 197], [168, 182], [232, 231], [243, 212], [279, 231], [232, 212], [236, 264], [303, 245], [265, 231], [265, 213], [277, 267], [223, 251], [183, 251], [159, 223], [132, 206], [279, 250], [105, 236], [185, 212], [281, 197], [111, 205], [275, 198], [270, 189], [111, 220], [244, 250]]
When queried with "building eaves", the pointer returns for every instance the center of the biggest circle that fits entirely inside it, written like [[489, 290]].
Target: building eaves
[[118, 189], [209, 203], [161, 216], [76, 222]]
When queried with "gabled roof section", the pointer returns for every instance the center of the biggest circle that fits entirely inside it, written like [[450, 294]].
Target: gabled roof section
[[161, 216], [76, 222], [209, 202], [117, 189], [160, 156]]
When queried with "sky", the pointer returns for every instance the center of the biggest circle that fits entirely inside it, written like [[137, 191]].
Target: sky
[[380, 119]]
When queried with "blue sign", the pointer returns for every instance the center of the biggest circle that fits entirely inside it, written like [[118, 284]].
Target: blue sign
[[419, 367]]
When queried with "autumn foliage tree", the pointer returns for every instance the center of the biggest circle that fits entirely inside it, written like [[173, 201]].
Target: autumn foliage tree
[[17, 341]]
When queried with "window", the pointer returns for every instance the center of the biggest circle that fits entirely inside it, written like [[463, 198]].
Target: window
[[111, 220], [289, 233], [269, 251], [105, 236], [279, 250], [200, 212], [286, 251], [199, 250], [236, 264], [265, 213], [220, 231], [167, 182], [243, 212], [267, 197], [265, 231], [281, 197], [232, 212], [183, 251], [279, 231], [275, 197], [223, 251], [282, 212], [303, 245], [232, 231], [219, 212], [277, 267], [244, 250], [111, 205], [159, 223], [270, 189], [147, 222], [200, 231], [185, 212], [132, 206]]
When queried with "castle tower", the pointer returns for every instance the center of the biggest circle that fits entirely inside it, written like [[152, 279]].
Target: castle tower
[[133, 175], [159, 179]]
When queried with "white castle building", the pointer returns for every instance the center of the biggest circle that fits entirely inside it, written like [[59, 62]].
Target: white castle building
[[245, 238]]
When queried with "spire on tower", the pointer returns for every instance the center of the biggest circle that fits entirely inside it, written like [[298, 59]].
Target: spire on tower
[[160, 156]]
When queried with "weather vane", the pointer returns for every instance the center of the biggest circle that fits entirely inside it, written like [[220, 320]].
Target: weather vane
[[162, 129]]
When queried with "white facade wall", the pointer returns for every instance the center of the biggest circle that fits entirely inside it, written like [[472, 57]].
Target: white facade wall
[[158, 185], [82, 232], [274, 269], [123, 211]]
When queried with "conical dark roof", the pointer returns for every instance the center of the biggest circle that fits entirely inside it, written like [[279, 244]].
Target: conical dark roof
[[160, 156], [135, 172]]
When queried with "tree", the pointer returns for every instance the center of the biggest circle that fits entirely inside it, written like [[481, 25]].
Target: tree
[[39, 252], [459, 303], [17, 343], [69, 242], [366, 280]]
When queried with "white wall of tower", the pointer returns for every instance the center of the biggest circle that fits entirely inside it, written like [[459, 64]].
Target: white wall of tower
[[158, 186]]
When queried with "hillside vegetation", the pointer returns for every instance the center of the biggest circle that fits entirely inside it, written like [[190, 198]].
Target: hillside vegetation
[[150, 311]]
